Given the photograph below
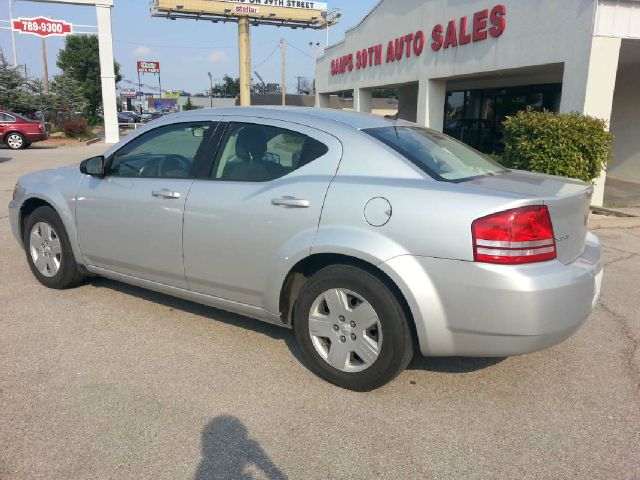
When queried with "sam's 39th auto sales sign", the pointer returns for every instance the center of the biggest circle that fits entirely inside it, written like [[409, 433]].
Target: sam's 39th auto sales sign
[[42, 26]]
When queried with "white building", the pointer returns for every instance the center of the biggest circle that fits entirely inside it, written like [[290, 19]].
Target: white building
[[462, 66]]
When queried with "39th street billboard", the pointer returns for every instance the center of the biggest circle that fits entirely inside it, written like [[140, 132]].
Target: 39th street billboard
[[282, 3], [296, 12]]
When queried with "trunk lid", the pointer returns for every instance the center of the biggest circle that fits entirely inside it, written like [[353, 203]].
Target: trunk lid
[[567, 199]]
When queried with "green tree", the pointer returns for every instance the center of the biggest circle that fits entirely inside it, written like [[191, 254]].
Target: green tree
[[68, 93], [20, 94], [80, 60], [229, 88], [189, 105]]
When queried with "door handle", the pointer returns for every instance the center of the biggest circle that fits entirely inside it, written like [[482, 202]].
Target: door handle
[[165, 193], [291, 202]]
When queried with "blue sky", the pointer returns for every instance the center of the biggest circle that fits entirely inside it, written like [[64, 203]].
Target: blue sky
[[186, 49]]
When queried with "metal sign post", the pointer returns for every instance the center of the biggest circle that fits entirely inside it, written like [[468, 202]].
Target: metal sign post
[[107, 71], [149, 67]]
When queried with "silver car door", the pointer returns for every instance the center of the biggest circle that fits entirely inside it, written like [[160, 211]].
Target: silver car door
[[262, 204], [130, 221]]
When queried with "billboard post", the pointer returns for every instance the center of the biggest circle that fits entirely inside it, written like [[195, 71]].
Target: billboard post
[[244, 53]]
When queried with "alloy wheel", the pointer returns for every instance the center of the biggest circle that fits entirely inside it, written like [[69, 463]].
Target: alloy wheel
[[15, 141], [45, 249]]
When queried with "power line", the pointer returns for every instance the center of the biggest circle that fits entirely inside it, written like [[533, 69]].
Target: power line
[[301, 51], [259, 64]]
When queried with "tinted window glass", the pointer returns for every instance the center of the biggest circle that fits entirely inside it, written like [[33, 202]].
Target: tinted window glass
[[165, 152], [440, 156], [6, 118], [259, 153]]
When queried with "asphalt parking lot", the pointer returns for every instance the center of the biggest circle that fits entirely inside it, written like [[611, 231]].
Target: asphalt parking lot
[[111, 381]]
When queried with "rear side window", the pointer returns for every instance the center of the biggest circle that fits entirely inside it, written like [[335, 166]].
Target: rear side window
[[6, 118], [260, 153], [440, 156]]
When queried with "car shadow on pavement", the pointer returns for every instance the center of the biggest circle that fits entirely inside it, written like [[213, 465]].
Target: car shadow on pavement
[[429, 364], [229, 452], [452, 364], [211, 313], [5, 159]]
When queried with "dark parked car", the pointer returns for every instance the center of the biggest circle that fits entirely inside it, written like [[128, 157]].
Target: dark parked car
[[19, 132], [127, 117]]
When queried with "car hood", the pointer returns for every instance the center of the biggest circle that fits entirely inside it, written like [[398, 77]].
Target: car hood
[[47, 183]]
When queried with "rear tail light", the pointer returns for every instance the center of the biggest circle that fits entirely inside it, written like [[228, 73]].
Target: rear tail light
[[41, 126], [521, 235]]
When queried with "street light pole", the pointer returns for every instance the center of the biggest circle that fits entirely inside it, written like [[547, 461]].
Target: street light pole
[[210, 88], [283, 46], [13, 35]]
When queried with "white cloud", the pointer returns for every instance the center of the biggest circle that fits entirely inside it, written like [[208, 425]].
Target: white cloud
[[218, 56], [141, 51]]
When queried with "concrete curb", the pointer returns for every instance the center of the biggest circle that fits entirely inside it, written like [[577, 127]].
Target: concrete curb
[[598, 222]]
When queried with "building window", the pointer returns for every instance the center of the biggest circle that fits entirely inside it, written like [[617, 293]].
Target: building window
[[475, 116]]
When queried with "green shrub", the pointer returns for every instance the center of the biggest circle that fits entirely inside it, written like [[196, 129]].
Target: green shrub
[[75, 127], [569, 145]]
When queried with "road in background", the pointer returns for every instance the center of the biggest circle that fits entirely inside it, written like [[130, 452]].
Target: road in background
[[111, 381]]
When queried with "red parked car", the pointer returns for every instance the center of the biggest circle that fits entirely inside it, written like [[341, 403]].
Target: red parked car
[[19, 132]]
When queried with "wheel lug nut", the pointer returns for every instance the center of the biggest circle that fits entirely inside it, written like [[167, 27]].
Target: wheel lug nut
[[336, 328], [341, 318], [343, 338], [353, 324], [353, 337]]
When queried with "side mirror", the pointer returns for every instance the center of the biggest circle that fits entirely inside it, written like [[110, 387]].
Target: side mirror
[[93, 166]]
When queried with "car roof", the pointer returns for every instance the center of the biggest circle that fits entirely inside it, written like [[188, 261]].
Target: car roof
[[303, 115]]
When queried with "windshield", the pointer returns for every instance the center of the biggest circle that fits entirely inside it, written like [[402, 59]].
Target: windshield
[[440, 156]]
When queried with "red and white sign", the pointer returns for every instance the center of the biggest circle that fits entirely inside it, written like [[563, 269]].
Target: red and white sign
[[247, 9], [458, 32], [42, 26], [148, 67]]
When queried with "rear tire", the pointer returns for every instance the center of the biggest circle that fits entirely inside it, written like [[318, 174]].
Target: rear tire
[[15, 141], [351, 328], [48, 250]]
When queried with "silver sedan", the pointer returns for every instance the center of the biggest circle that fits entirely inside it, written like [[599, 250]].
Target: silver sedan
[[371, 238]]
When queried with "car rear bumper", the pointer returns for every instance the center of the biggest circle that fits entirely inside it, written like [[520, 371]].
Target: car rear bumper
[[476, 309], [37, 137]]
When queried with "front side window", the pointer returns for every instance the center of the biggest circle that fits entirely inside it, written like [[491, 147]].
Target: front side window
[[440, 156], [260, 153], [165, 152]]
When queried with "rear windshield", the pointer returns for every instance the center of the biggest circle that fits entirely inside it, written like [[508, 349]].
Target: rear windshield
[[22, 117], [440, 156]]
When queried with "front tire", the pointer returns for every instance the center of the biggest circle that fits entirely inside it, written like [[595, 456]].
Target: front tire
[[351, 328], [15, 141], [48, 250]]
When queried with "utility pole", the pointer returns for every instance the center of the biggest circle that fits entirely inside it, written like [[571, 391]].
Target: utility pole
[[244, 54], [283, 46], [13, 35], [46, 70]]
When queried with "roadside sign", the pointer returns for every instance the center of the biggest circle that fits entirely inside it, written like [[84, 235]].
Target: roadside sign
[[148, 67], [42, 26]]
